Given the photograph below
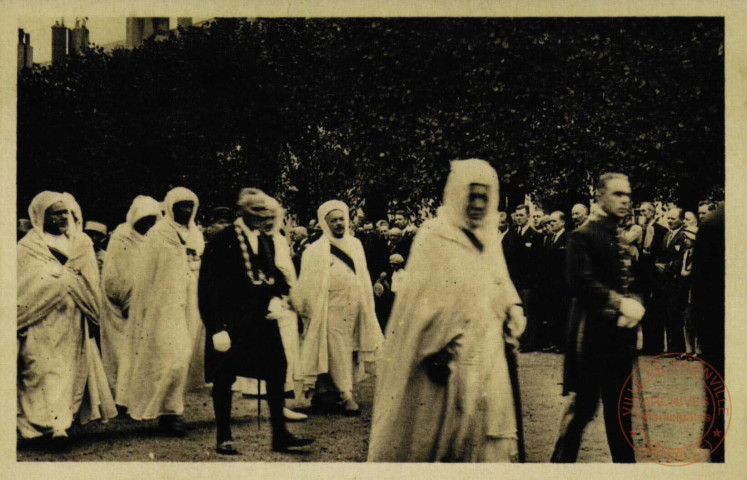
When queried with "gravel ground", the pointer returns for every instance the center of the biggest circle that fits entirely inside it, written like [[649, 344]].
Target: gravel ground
[[342, 439]]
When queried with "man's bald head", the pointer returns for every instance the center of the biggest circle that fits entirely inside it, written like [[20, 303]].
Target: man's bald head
[[579, 214]]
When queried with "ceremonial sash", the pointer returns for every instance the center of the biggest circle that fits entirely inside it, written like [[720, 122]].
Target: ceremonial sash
[[342, 256]]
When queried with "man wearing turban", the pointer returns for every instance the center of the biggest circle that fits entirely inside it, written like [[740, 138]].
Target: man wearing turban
[[334, 295], [60, 375], [243, 296], [444, 390], [119, 274], [164, 315]]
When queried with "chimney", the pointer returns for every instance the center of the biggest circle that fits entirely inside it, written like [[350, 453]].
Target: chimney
[[78, 38], [21, 49], [59, 42], [135, 27], [29, 52]]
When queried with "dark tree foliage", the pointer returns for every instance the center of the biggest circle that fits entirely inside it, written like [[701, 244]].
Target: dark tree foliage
[[371, 110]]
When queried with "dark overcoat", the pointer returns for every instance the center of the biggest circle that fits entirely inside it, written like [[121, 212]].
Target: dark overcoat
[[230, 301]]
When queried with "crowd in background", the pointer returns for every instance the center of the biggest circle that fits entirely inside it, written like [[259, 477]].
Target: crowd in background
[[659, 237], [659, 241]]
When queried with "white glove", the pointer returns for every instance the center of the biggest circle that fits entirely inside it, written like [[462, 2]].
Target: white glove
[[632, 309], [378, 289], [517, 322], [275, 308], [627, 322], [221, 341]]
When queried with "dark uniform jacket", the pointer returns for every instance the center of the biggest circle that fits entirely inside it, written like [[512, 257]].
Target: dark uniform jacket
[[229, 301], [595, 279]]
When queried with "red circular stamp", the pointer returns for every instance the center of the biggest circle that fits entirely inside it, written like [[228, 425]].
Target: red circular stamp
[[679, 407]]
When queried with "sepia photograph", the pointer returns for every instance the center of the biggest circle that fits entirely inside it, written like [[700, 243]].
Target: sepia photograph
[[371, 239]]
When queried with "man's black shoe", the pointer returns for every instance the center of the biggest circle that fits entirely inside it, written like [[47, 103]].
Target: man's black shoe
[[226, 448], [171, 426], [285, 442]]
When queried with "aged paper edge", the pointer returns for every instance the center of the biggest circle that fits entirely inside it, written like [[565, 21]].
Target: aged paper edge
[[735, 14]]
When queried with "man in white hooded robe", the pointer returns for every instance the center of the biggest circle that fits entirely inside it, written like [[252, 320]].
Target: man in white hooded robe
[[60, 374], [334, 295], [443, 390], [119, 273], [165, 316]]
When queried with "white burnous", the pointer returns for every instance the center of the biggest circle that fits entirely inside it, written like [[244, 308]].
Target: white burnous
[[443, 390], [122, 265], [60, 374], [334, 295], [165, 315]]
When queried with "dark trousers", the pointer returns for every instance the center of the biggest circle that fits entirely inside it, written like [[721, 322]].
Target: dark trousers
[[594, 381], [222, 396], [675, 308], [559, 320], [530, 338], [653, 324], [552, 314]]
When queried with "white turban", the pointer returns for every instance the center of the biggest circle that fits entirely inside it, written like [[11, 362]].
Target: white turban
[[194, 239], [258, 203], [143, 206], [180, 194], [39, 206]]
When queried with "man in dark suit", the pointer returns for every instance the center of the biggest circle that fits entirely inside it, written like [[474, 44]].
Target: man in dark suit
[[649, 281], [670, 294], [556, 285], [522, 247], [377, 253], [402, 222], [602, 355], [240, 281], [708, 277], [543, 289]]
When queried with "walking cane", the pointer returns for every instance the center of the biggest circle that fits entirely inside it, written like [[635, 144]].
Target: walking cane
[[513, 373]]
